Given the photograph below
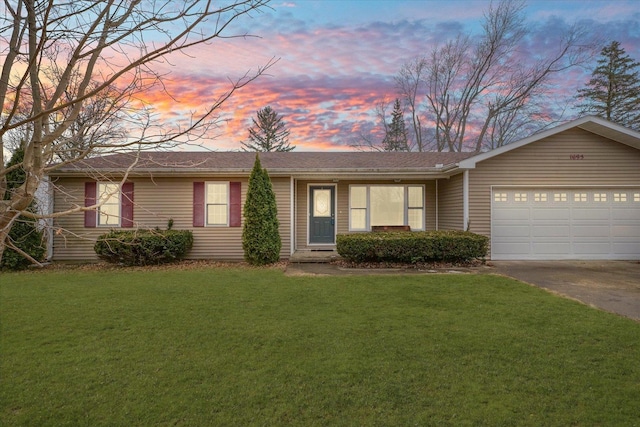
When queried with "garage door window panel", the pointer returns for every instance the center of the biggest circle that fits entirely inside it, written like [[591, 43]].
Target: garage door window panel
[[560, 197], [619, 197], [520, 197], [500, 197], [540, 197], [580, 197]]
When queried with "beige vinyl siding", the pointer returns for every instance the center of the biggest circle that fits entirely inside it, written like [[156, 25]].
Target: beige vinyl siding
[[548, 163], [342, 205], [155, 202], [450, 203], [71, 241]]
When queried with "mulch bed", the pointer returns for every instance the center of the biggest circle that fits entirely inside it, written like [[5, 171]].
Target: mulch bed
[[180, 265], [282, 265], [417, 266]]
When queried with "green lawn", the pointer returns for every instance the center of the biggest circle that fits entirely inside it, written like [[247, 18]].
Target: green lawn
[[227, 346]]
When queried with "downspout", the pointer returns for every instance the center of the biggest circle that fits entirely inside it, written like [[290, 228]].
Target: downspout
[[465, 200], [437, 207], [292, 212]]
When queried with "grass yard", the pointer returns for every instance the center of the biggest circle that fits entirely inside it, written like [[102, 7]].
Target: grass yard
[[232, 346]]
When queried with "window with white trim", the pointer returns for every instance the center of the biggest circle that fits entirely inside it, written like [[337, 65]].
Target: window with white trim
[[109, 200], [415, 207], [636, 197], [358, 208], [372, 205], [217, 203], [520, 197]]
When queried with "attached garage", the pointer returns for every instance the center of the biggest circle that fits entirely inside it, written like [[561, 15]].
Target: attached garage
[[565, 223], [571, 192]]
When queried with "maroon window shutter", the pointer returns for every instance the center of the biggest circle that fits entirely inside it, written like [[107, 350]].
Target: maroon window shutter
[[126, 205], [198, 204], [235, 211], [90, 190]]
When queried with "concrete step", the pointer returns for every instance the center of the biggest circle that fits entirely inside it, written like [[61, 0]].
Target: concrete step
[[311, 256]]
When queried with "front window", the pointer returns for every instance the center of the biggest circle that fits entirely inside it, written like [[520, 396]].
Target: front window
[[217, 203], [109, 210], [372, 205]]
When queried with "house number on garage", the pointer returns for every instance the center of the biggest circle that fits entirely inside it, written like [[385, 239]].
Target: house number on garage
[[576, 156]]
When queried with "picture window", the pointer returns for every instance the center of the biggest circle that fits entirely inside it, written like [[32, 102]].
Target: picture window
[[372, 205]]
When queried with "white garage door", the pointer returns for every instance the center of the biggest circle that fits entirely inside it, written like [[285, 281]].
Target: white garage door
[[549, 224]]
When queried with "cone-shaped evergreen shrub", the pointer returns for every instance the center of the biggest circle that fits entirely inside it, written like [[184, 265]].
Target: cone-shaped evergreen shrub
[[260, 238]]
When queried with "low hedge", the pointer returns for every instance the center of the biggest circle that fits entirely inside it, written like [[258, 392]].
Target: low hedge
[[143, 247], [412, 247]]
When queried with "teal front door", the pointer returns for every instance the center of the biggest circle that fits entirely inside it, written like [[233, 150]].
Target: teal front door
[[322, 215]]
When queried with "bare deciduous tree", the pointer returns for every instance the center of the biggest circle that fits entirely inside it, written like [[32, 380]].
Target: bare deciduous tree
[[484, 83], [69, 68], [375, 140], [408, 82]]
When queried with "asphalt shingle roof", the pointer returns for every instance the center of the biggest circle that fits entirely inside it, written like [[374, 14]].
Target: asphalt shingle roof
[[274, 161]]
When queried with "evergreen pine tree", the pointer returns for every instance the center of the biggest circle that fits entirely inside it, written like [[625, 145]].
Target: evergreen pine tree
[[269, 133], [24, 233], [396, 137], [613, 92], [260, 237]]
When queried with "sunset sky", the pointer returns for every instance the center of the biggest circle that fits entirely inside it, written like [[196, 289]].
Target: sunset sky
[[337, 59]]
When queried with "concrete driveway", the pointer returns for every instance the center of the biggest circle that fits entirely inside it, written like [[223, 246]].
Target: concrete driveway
[[612, 286]]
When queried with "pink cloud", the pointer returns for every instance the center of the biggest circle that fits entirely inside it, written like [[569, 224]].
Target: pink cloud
[[330, 77]]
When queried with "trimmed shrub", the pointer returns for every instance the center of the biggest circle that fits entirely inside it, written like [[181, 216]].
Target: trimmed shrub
[[412, 247], [143, 247], [260, 237], [26, 236]]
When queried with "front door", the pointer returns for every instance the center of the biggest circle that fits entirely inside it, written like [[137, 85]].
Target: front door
[[322, 214]]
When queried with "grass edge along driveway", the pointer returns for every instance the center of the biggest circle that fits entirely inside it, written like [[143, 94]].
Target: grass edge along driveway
[[232, 346]]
